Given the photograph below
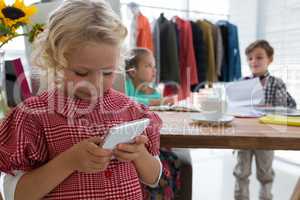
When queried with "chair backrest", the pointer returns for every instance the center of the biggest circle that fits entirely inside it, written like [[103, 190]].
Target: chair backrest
[[16, 84]]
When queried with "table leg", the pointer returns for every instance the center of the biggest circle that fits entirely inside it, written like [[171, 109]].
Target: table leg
[[296, 193]]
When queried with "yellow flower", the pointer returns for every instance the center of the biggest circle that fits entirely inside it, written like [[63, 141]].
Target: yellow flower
[[2, 4], [3, 38], [16, 14], [7, 36]]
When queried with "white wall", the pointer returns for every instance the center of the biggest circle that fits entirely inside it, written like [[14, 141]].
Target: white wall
[[244, 14], [279, 23]]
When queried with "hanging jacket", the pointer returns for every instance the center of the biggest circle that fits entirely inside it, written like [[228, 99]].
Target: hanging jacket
[[231, 70], [218, 47], [156, 48], [187, 61], [210, 63], [169, 62], [144, 34], [199, 52]]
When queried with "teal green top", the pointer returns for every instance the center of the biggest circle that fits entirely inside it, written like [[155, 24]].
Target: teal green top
[[138, 95]]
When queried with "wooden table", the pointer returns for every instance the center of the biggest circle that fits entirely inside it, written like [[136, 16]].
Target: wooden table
[[244, 133]]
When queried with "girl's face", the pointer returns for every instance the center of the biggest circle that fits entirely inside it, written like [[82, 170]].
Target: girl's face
[[259, 61], [91, 70], [146, 71]]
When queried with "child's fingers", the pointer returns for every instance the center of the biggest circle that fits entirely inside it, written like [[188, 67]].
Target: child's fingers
[[100, 161], [141, 139], [96, 167], [98, 151], [96, 140], [124, 156], [129, 148]]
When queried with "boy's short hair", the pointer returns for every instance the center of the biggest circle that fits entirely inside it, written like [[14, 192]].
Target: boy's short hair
[[135, 55], [260, 44], [73, 24]]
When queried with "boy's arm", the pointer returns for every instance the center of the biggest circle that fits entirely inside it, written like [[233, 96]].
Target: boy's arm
[[284, 96], [291, 103]]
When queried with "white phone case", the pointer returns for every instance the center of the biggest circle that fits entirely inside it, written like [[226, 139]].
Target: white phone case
[[125, 132]]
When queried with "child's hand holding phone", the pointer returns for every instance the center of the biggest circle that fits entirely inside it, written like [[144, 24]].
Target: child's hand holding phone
[[126, 140], [86, 156], [131, 151]]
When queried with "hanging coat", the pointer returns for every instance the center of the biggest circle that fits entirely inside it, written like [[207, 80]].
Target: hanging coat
[[144, 34], [187, 61]]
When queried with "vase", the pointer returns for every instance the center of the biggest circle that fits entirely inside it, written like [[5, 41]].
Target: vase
[[3, 101]]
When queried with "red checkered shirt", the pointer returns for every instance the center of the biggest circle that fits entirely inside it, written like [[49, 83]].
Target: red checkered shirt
[[47, 125]]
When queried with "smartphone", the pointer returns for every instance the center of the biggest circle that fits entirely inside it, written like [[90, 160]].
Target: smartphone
[[125, 132]]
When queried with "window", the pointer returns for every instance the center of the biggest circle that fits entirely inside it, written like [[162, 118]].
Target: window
[[279, 24]]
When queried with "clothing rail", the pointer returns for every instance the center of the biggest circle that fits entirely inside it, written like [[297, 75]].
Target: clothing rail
[[180, 10]]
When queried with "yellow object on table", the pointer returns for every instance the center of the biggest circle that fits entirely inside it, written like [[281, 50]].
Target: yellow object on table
[[280, 120]]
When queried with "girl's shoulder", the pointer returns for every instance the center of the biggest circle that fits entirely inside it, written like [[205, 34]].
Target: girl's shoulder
[[37, 103]]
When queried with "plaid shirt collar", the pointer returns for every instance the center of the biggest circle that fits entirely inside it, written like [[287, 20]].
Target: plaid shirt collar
[[267, 74]]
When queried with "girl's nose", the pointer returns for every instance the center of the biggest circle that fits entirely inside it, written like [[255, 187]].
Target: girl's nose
[[96, 79]]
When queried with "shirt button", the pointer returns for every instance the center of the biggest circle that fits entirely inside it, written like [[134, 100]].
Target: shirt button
[[108, 174]]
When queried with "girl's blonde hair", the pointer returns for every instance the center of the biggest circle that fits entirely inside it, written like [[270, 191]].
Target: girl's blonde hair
[[73, 24]]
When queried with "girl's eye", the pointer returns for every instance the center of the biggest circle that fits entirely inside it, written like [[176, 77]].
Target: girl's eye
[[81, 74], [107, 73]]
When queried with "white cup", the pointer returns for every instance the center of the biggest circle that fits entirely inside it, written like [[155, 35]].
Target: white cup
[[213, 107]]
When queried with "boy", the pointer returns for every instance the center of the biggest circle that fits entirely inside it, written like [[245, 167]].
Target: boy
[[260, 56]]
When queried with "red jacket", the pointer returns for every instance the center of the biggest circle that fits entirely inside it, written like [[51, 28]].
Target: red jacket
[[187, 60], [144, 34]]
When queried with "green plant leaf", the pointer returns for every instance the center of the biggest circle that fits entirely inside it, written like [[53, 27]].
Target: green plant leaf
[[4, 30]]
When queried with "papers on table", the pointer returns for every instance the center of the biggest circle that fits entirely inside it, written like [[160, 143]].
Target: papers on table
[[243, 96], [244, 93], [181, 106], [245, 99], [279, 111], [244, 111]]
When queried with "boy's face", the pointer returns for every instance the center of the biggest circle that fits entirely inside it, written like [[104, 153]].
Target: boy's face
[[258, 61], [146, 71], [90, 70]]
